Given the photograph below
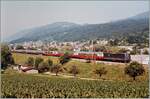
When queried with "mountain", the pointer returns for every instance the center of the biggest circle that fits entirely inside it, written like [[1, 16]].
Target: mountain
[[143, 15], [67, 31]]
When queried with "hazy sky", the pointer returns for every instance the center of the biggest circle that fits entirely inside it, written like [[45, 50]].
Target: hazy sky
[[20, 15]]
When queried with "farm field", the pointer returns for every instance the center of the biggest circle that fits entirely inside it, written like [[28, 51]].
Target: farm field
[[115, 72], [30, 86]]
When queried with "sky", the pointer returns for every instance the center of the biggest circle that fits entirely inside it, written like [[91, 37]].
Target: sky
[[21, 15]]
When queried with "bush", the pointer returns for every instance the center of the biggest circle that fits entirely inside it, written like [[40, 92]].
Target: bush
[[146, 52], [50, 62], [64, 59], [88, 61], [38, 60], [30, 61], [74, 70], [2, 71], [19, 47], [135, 50], [101, 71], [98, 48], [6, 56], [43, 67], [123, 50], [134, 69]]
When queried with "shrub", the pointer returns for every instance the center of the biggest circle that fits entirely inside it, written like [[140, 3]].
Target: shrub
[[30, 61], [64, 59], [43, 67], [101, 71], [88, 61], [123, 50], [38, 60], [146, 52], [134, 69], [50, 62], [135, 50], [19, 47], [6, 56]]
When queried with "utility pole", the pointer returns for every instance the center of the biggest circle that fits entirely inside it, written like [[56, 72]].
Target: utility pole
[[93, 52], [141, 56]]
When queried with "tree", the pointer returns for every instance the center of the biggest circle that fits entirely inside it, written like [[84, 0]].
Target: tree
[[38, 60], [146, 52], [6, 56], [43, 67], [64, 59], [135, 50], [113, 42], [98, 48], [101, 71], [19, 47], [123, 50], [50, 62], [56, 69], [134, 69], [74, 70], [30, 61]]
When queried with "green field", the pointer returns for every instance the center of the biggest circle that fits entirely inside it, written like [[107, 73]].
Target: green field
[[115, 72], [31, 86], [115, 84]]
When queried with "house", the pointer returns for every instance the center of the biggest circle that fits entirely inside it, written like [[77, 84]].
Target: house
[[143, 59], [127, 47], [28, 69]]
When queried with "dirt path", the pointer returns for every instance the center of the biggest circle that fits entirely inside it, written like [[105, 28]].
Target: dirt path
[[69, 76]]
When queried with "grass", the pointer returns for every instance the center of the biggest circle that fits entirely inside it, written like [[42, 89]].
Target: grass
[[21, 58], [115, 72]]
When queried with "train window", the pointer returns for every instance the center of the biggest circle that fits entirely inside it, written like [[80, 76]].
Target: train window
[[100, 54]]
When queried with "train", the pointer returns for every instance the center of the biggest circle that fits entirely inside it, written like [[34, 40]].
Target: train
[[98, 56]]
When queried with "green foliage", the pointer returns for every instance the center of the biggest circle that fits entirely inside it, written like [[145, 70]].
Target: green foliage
[[43, 67], [30, 61], [38, 60], [64, 59], [50, 62], [53, 49], [146, 52], [123, 50], [113, 42], [100, 71], [74, 70], [18, 47], [6, 56], [98, 48], [28, 86], [134, 69], [135, 50], [2, 71]]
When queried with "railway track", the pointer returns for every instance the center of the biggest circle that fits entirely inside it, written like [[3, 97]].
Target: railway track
[[84, 60]]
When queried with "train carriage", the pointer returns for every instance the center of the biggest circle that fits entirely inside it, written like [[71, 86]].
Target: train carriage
[[121, 57]]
